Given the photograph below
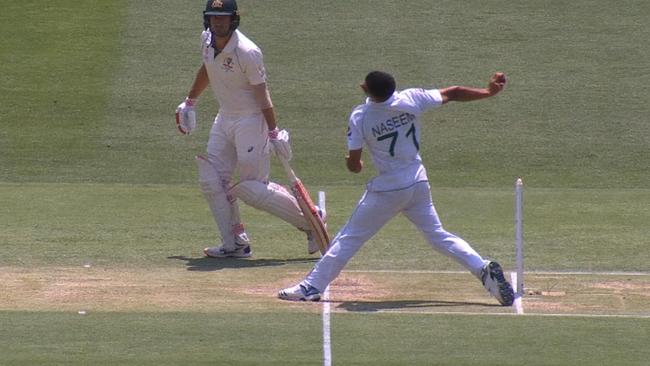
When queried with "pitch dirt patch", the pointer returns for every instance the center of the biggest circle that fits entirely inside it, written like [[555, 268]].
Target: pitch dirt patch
[[255, 289], [103, 289], [345, 288], [642, 289], [587, 294], [355, 287]]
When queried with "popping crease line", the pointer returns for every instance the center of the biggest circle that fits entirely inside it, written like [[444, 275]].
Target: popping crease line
[[577, 273], [327, 342], [469, 313]]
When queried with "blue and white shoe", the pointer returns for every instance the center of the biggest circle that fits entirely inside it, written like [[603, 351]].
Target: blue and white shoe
[[496, 284], [240, 251], [242, 239], [300, 292]]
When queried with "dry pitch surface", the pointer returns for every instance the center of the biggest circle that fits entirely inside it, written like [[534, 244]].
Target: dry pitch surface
[[89, 289]]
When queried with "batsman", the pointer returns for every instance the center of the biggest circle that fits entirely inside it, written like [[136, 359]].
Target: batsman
[[243, 136]]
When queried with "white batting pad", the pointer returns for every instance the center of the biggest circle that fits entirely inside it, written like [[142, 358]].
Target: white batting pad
[[217, 200], [272, 198]]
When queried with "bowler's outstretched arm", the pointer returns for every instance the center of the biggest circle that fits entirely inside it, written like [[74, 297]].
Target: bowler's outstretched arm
[[467, 94]]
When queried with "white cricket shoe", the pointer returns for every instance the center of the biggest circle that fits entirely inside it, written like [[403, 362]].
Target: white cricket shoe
[[242, 239], [242, 249], [496, 284], [312, 245], [299, 292]]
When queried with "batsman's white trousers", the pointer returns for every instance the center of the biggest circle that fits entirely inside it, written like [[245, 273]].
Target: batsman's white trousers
[[235, 142], [373, 211], [240, 142]]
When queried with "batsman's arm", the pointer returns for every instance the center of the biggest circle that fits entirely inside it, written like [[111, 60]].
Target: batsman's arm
[[263, 98], [353, 161], [185, 112], [467, 94], [201, 82]]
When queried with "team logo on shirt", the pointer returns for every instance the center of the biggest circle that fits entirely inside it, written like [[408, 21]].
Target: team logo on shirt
[[227, 65]]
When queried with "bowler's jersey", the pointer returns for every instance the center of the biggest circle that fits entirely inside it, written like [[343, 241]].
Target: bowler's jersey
[[233, 71], [391, 131]]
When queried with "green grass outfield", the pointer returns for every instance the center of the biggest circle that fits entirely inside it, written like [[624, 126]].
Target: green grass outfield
[[100, 212], [217, 338]]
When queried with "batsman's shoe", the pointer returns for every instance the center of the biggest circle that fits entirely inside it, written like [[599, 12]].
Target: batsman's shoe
[[312, 245], [240, 251], [300, 292], [242, 239], [496, 284]]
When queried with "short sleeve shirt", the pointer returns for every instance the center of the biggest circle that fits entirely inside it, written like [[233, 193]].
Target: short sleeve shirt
[[391, 131], [233, 72]]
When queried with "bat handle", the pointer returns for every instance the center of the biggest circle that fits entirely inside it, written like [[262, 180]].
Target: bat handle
[[287, 168]]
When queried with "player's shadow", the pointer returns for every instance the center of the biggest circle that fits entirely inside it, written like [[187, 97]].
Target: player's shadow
[[373, 306], [213, 264]]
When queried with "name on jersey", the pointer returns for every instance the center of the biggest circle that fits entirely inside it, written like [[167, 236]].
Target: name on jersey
[[392, 124]]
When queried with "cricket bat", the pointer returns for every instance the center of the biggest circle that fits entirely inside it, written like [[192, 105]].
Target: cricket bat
[[318, 227]]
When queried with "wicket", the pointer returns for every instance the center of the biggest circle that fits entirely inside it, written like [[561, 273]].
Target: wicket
[[519, 236]]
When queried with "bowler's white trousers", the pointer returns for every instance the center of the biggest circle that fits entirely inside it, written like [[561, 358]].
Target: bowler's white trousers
[[373, 211]]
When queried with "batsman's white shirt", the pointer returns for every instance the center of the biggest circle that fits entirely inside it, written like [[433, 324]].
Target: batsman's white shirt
[[391, 131], [233, 72], [238, 138]]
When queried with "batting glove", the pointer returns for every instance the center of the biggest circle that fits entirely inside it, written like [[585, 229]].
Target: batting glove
[[186, 116], [280, 142]]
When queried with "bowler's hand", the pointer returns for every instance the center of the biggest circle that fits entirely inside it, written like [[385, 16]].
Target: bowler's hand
[[353, 161], [497, 83]]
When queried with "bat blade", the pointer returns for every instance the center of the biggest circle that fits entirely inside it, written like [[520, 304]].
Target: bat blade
[[309, 210]]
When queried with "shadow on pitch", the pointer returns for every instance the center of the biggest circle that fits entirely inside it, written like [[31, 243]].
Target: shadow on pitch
[[372, 306], [214, 264]]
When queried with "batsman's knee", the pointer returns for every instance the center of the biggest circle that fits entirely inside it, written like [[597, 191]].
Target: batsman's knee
[[272, 198]]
